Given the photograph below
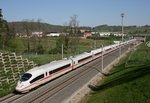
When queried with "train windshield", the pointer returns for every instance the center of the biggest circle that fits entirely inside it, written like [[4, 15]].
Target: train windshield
[[25, 77]]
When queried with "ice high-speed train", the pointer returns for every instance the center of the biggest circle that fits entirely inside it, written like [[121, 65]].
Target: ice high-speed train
[[42, 74]]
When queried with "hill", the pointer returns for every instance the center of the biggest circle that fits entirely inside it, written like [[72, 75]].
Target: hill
[[34, 26], [128, 29]]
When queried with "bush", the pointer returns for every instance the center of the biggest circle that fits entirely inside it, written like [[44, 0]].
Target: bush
[[104, 38], [40, 49], [54, 51], [58, 49]]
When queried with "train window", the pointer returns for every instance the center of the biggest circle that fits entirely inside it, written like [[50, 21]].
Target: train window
[[37, 78], [98, 53], [84, 58], [50, 72], [26, 77], [58, 69]]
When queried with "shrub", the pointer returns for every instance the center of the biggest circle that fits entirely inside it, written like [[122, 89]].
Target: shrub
[[40, 49]]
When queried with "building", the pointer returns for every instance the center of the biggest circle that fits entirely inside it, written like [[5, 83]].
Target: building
[[38, 34], [87, 34], [53, 34], [104, 34]]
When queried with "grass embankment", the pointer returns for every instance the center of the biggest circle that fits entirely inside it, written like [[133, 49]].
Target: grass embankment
[[128, 82]]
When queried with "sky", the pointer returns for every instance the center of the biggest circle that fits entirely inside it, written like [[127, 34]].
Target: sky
[[90, 12]]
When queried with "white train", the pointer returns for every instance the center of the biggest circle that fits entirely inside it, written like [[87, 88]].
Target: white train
[[47, 72]]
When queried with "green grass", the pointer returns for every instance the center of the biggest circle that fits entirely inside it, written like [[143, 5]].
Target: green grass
[[134, 91], [126, 84]]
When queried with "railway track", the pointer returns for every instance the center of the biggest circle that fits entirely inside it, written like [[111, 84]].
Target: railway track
[[44, 92], [40, 97], [10, 98]]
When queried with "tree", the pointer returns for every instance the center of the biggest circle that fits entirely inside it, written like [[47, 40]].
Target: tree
[[39, 28], [40, 49], [4, 31], [62, 39], [12, 30], [27, 32], [73, 33]]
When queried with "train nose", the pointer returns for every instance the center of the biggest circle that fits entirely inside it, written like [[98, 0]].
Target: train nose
[[19, 86]]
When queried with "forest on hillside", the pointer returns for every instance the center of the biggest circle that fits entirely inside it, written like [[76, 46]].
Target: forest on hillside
[[127, 29]]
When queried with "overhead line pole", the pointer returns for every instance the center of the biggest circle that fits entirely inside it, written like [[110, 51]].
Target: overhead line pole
[[102, 58], [122, 33], [62, 49]]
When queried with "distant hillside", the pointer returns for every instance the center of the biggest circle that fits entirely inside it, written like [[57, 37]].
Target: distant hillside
[[107, 28], [19, 27], [128, 29], [34, 26]]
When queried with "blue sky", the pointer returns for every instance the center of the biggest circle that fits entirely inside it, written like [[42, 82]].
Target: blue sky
[[90, 12]]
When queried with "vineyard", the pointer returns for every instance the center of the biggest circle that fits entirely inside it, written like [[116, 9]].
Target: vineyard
[[11, 67]]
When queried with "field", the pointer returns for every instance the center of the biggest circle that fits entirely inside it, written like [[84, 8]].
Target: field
[[128, 82]]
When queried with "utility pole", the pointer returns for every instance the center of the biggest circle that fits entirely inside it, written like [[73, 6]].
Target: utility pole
[[119, 50], [122, 33], [62, 51], [102, 58], [95, 44]]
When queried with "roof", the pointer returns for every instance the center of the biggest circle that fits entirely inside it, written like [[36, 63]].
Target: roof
[[50, 66], [80, 56], [96, 51]]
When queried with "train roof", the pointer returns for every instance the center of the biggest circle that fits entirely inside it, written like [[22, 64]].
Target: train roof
[[50, 66], [80, 56], [96, 51]]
